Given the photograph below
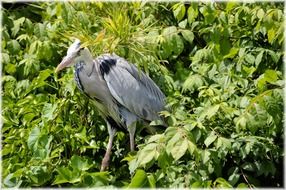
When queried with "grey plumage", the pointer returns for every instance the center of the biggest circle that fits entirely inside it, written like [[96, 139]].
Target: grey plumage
[[126, 94], [122, 94]]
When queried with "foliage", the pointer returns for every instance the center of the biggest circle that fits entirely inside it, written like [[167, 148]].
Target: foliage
[[219, 64]]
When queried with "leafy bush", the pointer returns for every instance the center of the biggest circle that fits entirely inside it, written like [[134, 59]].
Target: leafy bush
[[219, 64]]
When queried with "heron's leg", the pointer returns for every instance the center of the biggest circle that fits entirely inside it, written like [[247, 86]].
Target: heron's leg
[[105, 161], [132, 130]]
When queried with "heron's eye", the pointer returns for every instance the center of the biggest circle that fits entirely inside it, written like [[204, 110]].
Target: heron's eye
[[78, 53]]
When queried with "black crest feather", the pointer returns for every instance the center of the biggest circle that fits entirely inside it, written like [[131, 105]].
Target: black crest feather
[[106, 65]]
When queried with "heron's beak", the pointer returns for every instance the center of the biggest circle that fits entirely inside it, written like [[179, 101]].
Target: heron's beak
[[67, 60]]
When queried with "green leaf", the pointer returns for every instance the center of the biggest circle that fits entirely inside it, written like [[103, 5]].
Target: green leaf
[[275, 56], [13, 47], [241, 122], [6, 58], [45, 51], [210, 111], [250, 58], [17, 24], [98, 179], [179, 11], [196, 184], [179, 149], [82, 135], [139, 180], [45, 141], [83, 18], [242, 185], [260, 14], [43, 75], [164, 160], [152, 181], [232, 53], [188, 35], [40, 30], [174, 138], [33, 137], [271, 35], [191, 147], [23, 37], [261, 81], [248, 166], [233, 178], [193, 82], [224, 142], [48, 111], [133, 165], [249, 70], [10, 68], [225, 47], [177, 45], [210, 139], [34, 47], [169, 31], [79, 163], [11, 181], [147, 154], [271, 76], [230, 5], [220, 182], [155, 138], [259, 58], [38, 175], [192, 13], [64, 175], [183, 23], [205, 156], [169, 42]]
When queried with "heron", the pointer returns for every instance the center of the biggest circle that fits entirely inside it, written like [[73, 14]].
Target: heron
[[123, 95]]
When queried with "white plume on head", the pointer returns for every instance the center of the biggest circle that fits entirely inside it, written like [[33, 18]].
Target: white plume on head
[[73, 48]]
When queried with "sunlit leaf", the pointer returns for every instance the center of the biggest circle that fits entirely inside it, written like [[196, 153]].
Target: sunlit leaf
[[17, 24], [188, 35], [205, 156], [210, 139], [271, 35], [33, 137], [79, 163], [179, 11], [48, 111], [139, 179], [179, 149], [192, 13], [220, 182], [148, 153]]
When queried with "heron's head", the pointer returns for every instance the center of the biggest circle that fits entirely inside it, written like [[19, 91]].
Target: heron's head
[[75, 53]]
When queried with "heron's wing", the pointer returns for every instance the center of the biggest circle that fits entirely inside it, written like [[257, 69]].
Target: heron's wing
[[134, 90]]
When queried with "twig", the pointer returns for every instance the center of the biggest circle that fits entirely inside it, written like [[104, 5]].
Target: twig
[[250, 186]]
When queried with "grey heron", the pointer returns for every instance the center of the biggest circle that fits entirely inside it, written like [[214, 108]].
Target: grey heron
[[122, 95]]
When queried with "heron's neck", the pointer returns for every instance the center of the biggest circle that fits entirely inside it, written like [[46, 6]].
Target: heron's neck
[[83, 65], [84, 61]]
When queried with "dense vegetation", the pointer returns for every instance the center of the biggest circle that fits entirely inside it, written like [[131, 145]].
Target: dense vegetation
[[219, 64]]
